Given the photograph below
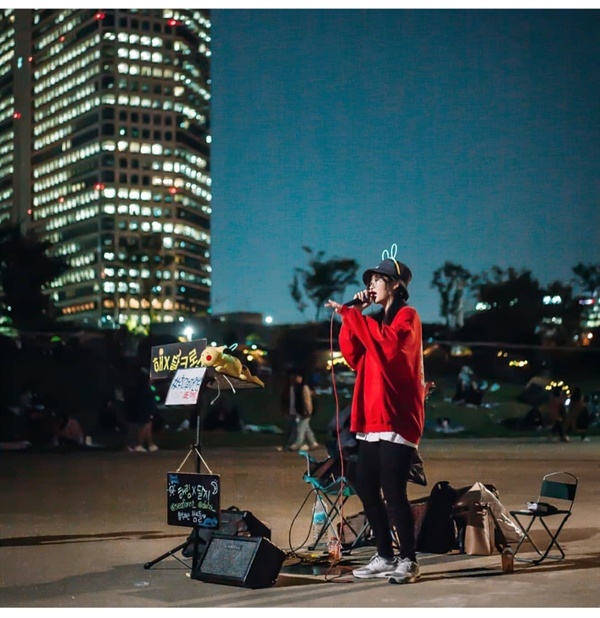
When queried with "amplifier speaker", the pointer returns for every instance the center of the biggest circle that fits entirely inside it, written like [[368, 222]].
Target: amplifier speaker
[[252, 562], [233, 522]]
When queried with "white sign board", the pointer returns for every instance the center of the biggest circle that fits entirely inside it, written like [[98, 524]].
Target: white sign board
[[185, 387]]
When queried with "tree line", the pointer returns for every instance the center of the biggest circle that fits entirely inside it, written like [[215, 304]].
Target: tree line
[[511, 301]]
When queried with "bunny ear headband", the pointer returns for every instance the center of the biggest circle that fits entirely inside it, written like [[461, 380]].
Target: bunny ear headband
[[390, 267], [391, 255]]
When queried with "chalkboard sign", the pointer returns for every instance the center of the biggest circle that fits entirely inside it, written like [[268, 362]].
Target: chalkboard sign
[[193, 499]]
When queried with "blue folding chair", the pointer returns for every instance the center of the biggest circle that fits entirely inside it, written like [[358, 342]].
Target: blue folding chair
[[332, 491]]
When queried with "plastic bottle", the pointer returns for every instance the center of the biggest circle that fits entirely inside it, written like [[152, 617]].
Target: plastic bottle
[[318, 522], [508, 560], [334, 549]]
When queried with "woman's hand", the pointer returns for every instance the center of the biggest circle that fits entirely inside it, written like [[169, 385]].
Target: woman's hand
[[363, 297], [333, 305]]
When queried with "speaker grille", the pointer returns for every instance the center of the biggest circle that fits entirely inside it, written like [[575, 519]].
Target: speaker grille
[[239, 561], [230, 556]]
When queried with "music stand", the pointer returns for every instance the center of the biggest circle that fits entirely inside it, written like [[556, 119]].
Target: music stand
[[211, 380]]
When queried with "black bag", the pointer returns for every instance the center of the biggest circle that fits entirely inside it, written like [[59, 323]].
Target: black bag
[[542, 508], [417, 471], [438, 530]]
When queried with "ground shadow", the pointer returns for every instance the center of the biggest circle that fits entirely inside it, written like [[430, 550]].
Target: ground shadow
[[26, 541]]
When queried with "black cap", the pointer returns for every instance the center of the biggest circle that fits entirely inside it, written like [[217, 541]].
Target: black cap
[[397, 271]]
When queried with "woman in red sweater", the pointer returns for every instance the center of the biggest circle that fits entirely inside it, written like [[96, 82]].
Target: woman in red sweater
[[386, 351]]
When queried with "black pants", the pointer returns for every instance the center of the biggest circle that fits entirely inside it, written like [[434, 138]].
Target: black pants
[[384, 467], [558, 428]]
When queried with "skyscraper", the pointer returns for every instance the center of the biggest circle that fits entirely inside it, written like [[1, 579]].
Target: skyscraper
[[105, 152]]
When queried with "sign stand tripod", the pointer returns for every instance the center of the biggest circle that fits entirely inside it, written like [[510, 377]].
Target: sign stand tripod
[[193, 499], [180, 486]]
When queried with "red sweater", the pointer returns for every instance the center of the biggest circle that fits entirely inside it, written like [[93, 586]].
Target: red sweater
[[389, 392]]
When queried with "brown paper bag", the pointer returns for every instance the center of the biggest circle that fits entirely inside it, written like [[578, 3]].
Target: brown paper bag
[[479, 532]]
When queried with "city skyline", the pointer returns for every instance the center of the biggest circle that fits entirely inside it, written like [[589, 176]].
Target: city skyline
[[105, 155], [469, 136]]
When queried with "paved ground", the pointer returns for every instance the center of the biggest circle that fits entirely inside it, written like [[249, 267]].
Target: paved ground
[[76, 530]]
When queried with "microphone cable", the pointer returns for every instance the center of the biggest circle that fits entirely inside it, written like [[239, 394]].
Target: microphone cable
[[335, 552]]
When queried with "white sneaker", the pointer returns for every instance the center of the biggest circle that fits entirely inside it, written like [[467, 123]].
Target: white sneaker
[[153, 448], [137, 449], [378, 567], [297, 447], [406, 572]]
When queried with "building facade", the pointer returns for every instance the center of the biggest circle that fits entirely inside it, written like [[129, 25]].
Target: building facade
[[105, 152]]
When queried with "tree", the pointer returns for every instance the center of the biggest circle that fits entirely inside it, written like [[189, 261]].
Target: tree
[[503, 289], [515, 309], [322, 280], [25, 271], [560, 314], [450, 281], [588, 276]]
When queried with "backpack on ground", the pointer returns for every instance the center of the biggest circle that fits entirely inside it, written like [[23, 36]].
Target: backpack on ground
[[438, 534]]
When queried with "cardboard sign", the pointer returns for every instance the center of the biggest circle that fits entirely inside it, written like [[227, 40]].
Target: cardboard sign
[[185, 386], [193, 499]]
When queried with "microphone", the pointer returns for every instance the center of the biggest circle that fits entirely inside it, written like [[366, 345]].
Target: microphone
[[354, 302]]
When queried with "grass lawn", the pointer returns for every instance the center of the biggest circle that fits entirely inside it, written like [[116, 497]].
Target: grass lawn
[[260, 407]]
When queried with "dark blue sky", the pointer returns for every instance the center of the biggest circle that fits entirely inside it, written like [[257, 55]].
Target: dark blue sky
[[463, 135]]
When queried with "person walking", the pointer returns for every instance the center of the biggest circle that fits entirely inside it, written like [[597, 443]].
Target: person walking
[[302, 402], [386, 351], [288, 412], [557, 413], [141, 408], [577, 420]]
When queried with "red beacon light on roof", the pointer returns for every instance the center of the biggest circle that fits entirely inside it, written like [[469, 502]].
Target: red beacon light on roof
[[99, 15]]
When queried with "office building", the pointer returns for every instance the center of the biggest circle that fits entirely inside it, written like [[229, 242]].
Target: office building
[[105, 153]]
